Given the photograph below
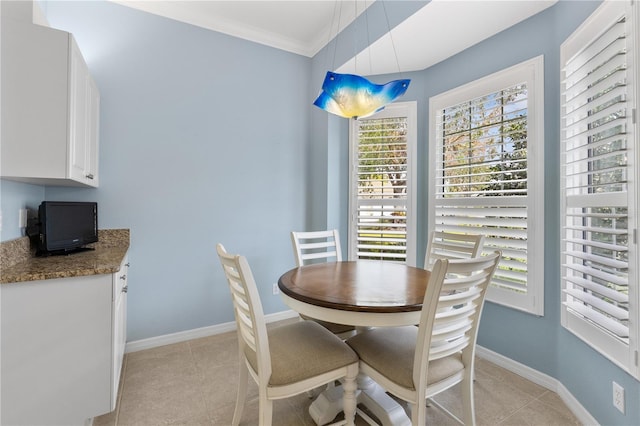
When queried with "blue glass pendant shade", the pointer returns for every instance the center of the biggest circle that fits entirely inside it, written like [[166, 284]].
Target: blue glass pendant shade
[[353, 96]]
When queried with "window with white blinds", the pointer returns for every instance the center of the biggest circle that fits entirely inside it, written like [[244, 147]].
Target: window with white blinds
[[487, 143], [599, 257], [382, 182]]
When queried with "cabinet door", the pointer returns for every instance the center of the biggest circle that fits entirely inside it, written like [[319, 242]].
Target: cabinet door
[[119, 327], [56, 360], [35, 125], [93, 132], [78, 107]]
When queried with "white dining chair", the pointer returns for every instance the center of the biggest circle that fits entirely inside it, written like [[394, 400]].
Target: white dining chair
[[316, 246], [449, 245], [416, 363], [286, 360]]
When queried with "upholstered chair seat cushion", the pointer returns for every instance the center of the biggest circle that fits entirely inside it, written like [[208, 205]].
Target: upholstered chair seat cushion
[[322, 351], [390, 350]]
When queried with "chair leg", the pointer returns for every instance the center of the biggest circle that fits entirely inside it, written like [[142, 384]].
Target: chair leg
[[265, 409], [349, 401], [468, 407], [419, 413], [241, 397]]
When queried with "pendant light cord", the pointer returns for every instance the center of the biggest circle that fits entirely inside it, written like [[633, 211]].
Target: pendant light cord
[[335, 44], [337, 11], [366, 18], [393, 45]]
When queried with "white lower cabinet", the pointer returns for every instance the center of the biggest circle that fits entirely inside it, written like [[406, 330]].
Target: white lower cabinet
[[62, 344]]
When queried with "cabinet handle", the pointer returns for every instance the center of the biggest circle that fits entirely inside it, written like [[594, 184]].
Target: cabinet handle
[[123, 277], [89, 176], [125, 288]]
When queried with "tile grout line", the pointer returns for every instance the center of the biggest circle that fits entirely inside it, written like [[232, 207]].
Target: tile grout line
[[518, 410], [553, 407]]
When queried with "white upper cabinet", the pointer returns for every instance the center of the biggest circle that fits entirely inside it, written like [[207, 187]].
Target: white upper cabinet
[[50, 108]]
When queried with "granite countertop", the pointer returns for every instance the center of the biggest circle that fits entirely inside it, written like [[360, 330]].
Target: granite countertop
[[108, 253]]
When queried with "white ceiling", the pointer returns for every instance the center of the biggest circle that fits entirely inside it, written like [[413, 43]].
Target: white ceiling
[[437, 31]]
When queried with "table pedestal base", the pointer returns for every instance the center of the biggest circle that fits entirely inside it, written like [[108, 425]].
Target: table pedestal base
[[381, 405], [329, 404]]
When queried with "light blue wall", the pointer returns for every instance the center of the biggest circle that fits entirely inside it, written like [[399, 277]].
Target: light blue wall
[[13, 197], [204, 139]]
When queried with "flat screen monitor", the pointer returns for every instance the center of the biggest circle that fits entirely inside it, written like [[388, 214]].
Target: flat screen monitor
[[67, 226]]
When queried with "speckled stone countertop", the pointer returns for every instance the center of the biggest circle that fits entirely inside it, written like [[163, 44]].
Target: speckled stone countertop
[[18, 263]]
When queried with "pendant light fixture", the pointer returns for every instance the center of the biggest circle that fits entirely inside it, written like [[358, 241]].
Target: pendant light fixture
[[354, 96]]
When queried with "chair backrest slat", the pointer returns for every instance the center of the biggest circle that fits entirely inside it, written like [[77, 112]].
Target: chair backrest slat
[[310, 246], [321, 255], [449, 331], [449, 348]]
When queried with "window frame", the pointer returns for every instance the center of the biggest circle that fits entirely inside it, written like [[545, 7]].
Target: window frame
[[624, 355], [530, 72], [406, 109]]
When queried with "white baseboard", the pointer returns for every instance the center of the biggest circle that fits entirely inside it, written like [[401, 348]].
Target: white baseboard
[[182, 336], [541, 379]]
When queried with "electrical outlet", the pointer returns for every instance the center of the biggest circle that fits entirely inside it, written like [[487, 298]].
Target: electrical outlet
[[276, 290], [618, 397]]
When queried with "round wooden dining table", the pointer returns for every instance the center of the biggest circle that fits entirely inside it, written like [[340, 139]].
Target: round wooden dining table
[[363, 294]]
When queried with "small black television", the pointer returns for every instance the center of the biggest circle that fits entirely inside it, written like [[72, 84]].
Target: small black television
[[67, 226]]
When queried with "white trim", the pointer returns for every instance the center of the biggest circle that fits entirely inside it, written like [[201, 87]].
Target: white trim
[[196, 333], [541, 379]]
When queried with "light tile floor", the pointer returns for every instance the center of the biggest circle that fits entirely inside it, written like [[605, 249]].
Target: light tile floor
[[195, 382]]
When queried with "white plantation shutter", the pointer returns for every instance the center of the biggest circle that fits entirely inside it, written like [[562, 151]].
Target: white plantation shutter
[[599, 259], [381, 185], [487, 156], [484, 156]]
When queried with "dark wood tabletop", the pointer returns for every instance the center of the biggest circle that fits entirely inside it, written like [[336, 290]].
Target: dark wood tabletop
[[362, 286]]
